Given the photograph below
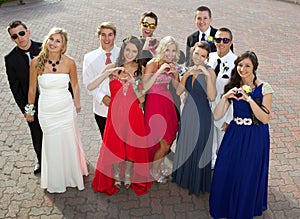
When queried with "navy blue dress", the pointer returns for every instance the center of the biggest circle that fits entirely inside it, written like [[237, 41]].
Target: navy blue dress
[[192, 161], [240, 180]]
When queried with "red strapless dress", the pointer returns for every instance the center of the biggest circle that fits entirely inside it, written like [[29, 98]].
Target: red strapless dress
[[124, 139]]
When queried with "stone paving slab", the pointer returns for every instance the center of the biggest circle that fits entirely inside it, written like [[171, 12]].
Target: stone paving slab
[[269, 27]]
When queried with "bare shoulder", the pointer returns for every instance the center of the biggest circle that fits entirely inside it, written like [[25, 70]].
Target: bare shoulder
[[68, 60], [151, 66]]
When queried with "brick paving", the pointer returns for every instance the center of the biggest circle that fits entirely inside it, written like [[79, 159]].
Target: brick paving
[[269, 27]]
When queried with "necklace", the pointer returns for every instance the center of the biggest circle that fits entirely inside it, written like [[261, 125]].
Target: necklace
[[53, 64]]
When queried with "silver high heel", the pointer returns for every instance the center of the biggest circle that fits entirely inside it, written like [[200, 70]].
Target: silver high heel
[[127, 182], [117, 178], [158, 178]]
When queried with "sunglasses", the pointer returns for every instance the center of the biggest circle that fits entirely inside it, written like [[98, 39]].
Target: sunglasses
[[21, 33], [225, 40], [146, 24]]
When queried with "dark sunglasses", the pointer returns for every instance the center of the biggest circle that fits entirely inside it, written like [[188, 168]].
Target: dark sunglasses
[[225, 40], [146, 24], [21, 33]]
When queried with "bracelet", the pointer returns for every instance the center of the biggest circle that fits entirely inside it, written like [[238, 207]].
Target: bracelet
[[248, 98], [30, 109]]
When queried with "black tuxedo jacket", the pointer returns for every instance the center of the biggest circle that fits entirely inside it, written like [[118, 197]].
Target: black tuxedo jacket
[[194, 38], [17, 70]]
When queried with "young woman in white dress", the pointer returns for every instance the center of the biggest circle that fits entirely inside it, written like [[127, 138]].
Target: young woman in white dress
[[63, 158]]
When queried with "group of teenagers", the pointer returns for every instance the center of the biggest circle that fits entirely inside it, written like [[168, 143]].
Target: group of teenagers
[[146, 95]]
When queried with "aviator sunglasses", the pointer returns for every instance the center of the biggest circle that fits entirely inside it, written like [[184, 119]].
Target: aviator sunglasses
[[225, 40], [15, 36], [146, 24]]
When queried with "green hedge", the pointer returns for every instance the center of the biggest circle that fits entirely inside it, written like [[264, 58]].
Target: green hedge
[[3, 1]]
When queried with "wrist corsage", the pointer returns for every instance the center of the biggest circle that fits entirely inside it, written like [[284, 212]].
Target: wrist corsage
[[138, 85], [29, 109], [181, 69]]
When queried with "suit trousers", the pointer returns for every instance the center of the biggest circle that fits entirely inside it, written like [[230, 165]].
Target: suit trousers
[[37, 137], [101, 121], [217, 139]]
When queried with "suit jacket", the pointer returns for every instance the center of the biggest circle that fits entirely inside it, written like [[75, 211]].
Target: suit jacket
[[194, 38], [17, 70]]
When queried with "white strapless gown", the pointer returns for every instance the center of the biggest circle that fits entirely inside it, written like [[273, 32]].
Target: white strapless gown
[[63, 158]]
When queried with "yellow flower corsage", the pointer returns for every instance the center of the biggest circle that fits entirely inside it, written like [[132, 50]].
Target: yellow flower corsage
[[247, 89]]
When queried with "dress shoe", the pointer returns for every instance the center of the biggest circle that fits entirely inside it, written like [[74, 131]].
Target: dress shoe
[[37, 168]]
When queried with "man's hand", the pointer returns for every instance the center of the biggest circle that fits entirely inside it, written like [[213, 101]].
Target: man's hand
[[106, 100], [224, 126]]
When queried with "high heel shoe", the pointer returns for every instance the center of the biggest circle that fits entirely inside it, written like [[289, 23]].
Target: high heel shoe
[[117, 179], [127, 182], [158, 178], [165, 170]]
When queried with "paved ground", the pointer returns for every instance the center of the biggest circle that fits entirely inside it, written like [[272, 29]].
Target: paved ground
[[269, 27]]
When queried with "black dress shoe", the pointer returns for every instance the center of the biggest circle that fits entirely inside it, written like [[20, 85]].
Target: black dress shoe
[[37, 168]]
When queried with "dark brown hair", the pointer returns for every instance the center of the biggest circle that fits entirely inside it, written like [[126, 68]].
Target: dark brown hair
[[14, 24], [203, 8], [121, 59], [203, 45], [149, 14], [235, 80]]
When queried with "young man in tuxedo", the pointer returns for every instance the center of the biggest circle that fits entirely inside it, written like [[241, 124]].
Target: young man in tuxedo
[[205, 32], [17, 64], [93, 64]]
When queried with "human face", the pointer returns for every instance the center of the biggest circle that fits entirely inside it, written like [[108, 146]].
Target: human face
[[223, 48], [107, 39], [55, 43], [170, 53], [147, 31], [130, 52], [245, 69], [23, 42], [202, 20], [199, 56]]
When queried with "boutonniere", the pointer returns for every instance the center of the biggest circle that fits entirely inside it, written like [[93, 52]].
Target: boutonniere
[[225, 67], [210, 39]]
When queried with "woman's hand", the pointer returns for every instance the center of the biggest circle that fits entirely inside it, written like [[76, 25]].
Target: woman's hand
[[115, 71], [164, 69], [203, 70], [29, 118], [78, 109], [232, 93]]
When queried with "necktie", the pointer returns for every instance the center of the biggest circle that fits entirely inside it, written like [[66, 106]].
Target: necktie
[[203, 37], [108, 61], [217, 68]]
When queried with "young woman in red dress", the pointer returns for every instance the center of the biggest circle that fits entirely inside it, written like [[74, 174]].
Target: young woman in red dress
[[123, 154]]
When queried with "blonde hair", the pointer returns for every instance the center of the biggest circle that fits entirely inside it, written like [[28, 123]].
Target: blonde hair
[[106, 25], [44, 54], [163, 46]]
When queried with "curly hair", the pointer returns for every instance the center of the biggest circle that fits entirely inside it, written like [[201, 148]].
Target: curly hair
[[44, 54]]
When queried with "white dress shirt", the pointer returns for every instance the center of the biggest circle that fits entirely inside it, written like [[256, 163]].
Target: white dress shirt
[[207, 34], [93, 65], [226, 66]]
